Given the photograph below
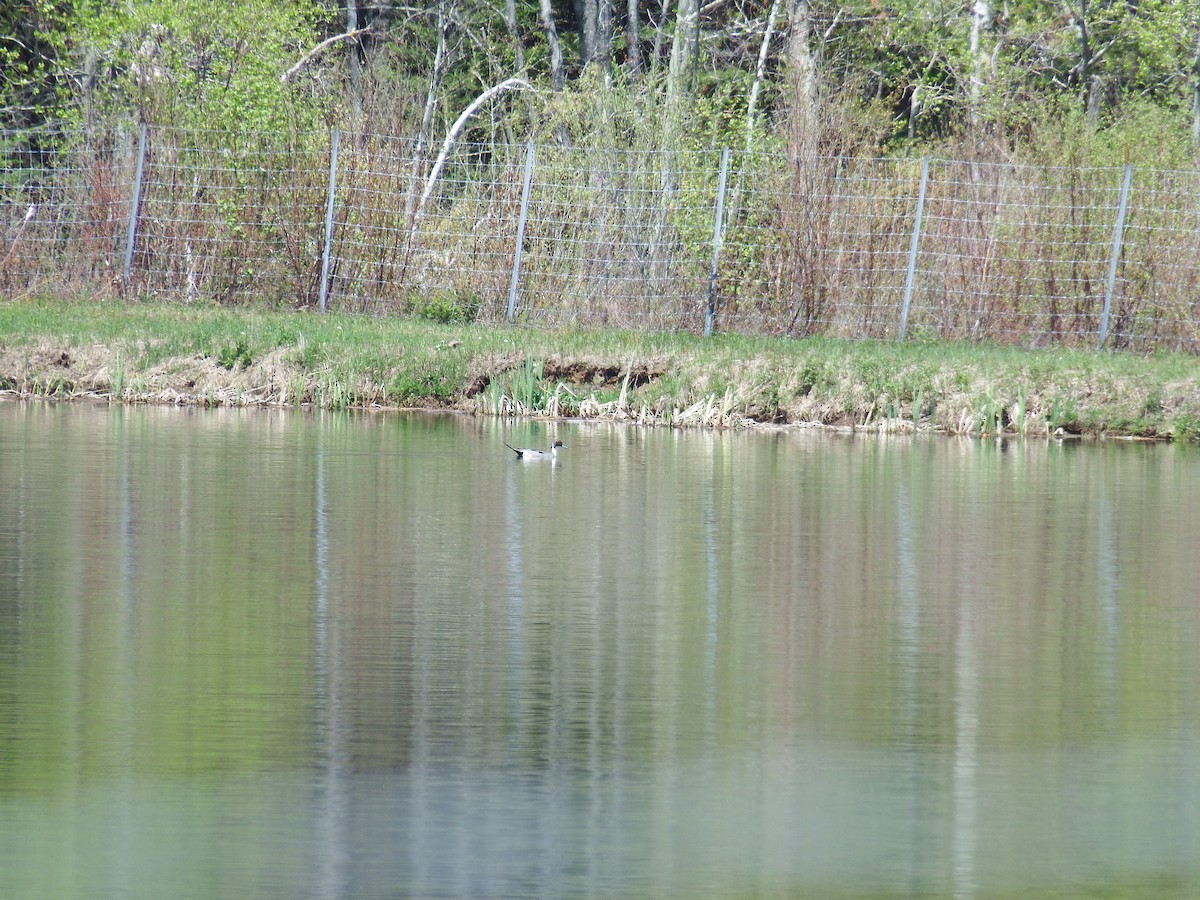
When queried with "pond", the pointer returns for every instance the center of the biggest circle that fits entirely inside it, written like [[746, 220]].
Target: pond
[[297, 654]]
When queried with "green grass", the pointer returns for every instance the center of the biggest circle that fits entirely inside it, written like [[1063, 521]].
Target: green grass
[[341, 361]]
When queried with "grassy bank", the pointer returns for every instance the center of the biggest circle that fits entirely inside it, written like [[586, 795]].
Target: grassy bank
[[216, 356]]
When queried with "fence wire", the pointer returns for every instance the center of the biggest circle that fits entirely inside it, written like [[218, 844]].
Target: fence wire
[[570, 236]]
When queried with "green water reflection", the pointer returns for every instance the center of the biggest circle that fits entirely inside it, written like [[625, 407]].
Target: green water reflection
[[289, 654]]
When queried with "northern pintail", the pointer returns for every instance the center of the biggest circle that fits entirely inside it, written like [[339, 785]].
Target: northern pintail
[[527, 453]]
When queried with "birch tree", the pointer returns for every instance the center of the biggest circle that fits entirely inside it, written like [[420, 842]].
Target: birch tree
[[981, 19], [802, 78], [354, 67], [595, 31], [514, 34], [1196, 89], [557, 75], [684, 49]]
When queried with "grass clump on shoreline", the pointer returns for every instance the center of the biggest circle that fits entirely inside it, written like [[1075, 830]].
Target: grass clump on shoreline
[[208, 355]]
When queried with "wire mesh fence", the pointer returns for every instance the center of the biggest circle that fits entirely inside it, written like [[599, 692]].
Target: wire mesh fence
[[570, 236]]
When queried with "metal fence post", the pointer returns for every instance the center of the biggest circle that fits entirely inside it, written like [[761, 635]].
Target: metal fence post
[[334, 143], [135, 201], [1115, 260], [511, 312], [710, 312], [911, 276]]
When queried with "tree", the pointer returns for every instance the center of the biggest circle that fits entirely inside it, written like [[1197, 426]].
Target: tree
[[981, 22], [354, 65], [595, 18], [802, 78], [1196, 91], [557, 76], [684, 49]]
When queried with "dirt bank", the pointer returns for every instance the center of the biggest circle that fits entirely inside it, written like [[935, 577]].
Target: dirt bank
[[212, 356], [63, 370]]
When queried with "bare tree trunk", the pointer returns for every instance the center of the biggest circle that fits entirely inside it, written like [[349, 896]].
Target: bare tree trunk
[[802, 76], [435, 78], [604, 34], [660, 34], [981, 17], [684, 49], [411, 205], [760, 72], [1196, 92], [557, 78], [1086, 78], [633, 44], [316, 51], [354, 68], [585, 27], [595, 31], [510, 25], [509, 84]]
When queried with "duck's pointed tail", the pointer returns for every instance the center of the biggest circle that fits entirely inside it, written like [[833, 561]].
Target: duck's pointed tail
[[513, 449]]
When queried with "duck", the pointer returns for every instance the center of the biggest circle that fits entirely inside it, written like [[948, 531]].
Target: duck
[[527, 453]]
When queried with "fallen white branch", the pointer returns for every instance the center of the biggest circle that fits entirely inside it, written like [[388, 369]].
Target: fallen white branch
[[455, 129]]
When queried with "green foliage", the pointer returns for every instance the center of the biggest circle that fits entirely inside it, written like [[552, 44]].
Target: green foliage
[[603, 114], [33, 44], [407, 390], [1062, 415], [521, 390], [1144, 134], [1185, 428], [448, 307], [939, 73], [338, 361], [525, 384], [1026, 61], [236, 354], [196, 62], [717, 117]]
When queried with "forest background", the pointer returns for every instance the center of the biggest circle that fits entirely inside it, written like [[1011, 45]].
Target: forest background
[[1041, 81]]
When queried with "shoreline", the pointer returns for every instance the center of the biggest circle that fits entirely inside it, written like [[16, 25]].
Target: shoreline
[[207, 356]]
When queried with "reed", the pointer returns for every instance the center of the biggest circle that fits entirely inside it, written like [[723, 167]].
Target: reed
[[521, 392], [117, 382]]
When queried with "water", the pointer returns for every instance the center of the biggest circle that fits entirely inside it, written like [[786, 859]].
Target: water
[[280, 654]]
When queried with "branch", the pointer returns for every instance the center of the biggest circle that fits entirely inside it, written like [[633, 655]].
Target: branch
[[319, 49], [457, 127], [29, 214], [760, 72], [832, 25]]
